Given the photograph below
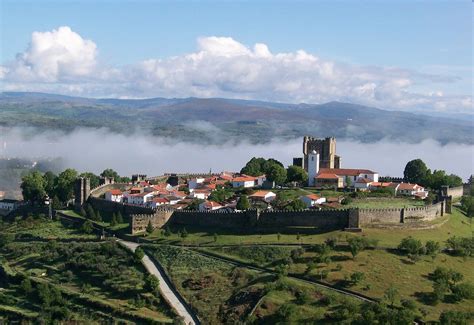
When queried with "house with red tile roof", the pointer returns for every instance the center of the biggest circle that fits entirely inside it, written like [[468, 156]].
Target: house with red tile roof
[[312, 199], [339, 177], [409, 189], [244, 181], [261, 195], [209, 206], [114, 195]]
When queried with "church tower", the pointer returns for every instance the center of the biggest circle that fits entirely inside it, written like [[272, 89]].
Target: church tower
[[313, 166]]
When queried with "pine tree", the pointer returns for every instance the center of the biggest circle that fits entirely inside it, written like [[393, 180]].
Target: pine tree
[[90, 212], [98, 217], [119, 218], [149, 227], [113, 221]]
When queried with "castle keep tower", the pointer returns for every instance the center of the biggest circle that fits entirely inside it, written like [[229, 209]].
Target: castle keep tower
[[326, 149], [82, 190]]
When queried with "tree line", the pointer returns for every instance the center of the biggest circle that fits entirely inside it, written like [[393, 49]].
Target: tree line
[[36, 186]]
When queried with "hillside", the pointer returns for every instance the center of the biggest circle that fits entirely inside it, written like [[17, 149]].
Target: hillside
[[217, 120]]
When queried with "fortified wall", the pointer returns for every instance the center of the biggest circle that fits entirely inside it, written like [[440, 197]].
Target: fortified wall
[[102, 189], [253, 220]]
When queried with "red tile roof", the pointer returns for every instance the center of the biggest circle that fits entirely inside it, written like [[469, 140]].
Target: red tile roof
[[313, 197], [408, 186], [160, 200], [260, 193], [327, 176], [115, 192], [211, 204], [244, 179]]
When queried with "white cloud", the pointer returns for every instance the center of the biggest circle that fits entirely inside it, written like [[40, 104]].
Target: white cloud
[[59, 55], [62, 61]]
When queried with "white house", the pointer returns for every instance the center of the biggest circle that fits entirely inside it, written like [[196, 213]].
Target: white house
[[140, 198], [158, 201], [10, 205], [115, 195], [200, 194], [362, 184], [209, 206], [266, 196], [312, 199], [261, 179], [244, 181], [411, 190], [195, 183], [346, 174]]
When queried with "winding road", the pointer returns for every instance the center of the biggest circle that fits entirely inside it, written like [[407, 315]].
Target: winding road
[[170, 295]]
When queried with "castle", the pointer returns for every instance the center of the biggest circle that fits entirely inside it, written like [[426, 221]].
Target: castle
[[326, 148]]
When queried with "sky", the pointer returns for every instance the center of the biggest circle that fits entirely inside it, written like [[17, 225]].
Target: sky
[[403, 55]]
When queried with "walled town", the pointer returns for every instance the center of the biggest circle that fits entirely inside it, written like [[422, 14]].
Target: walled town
[[310, 243]]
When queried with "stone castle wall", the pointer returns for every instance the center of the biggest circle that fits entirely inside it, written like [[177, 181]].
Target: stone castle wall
[[457, 192], [101, 189], [327, 219], [259, 221]]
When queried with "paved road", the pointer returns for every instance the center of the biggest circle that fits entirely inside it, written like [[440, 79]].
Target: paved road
[[168, 294]]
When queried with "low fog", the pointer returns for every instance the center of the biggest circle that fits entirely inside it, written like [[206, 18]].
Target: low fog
[[94, 150]]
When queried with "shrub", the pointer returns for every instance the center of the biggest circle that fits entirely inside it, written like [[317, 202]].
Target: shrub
[[432, 248], [139, 253], [410, 245], [461, 246], [452, 317], [357, 277], [463, 291]]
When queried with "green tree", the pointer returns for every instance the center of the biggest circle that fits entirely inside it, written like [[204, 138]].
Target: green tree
[[357, 277], [149, 227], [119, 217], [32, 186], [111, 173], [296, 174], [277, 174], [93, 178], [296, 205], [98, 216], [452, 317], [467, 204], [152, 283], [243, 203], [356, 245], [410, 245], [463, 291], [391, 295], [432, 248], [50, 180], [90, 212], [254, 167], [348, 181], [113, 220], [416, 172], [26, 286], [65, 184], [87, 227], [184, 233], [139, 253], [6, 238]]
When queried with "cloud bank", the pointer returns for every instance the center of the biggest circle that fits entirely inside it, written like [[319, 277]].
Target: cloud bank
[[62, 61], [95, 150]]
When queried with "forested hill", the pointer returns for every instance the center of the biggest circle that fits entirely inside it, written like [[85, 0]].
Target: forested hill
[[216, 120]]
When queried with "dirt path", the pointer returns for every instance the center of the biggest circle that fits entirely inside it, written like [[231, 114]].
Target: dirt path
[[170, 295]]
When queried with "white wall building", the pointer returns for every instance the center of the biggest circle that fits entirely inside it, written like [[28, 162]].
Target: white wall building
[[195, 183], [209, 206], [313, 167], [312, 199], [244, 181], [114, 195], [139, 199]]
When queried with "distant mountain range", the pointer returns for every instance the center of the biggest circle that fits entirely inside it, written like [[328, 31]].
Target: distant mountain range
[[217, 120]]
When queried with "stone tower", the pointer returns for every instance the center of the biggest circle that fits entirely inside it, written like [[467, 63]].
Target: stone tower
[[313, 166], [82, 190], [326, 149]]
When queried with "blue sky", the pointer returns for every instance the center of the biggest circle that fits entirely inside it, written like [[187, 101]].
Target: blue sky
[[424, 37]]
